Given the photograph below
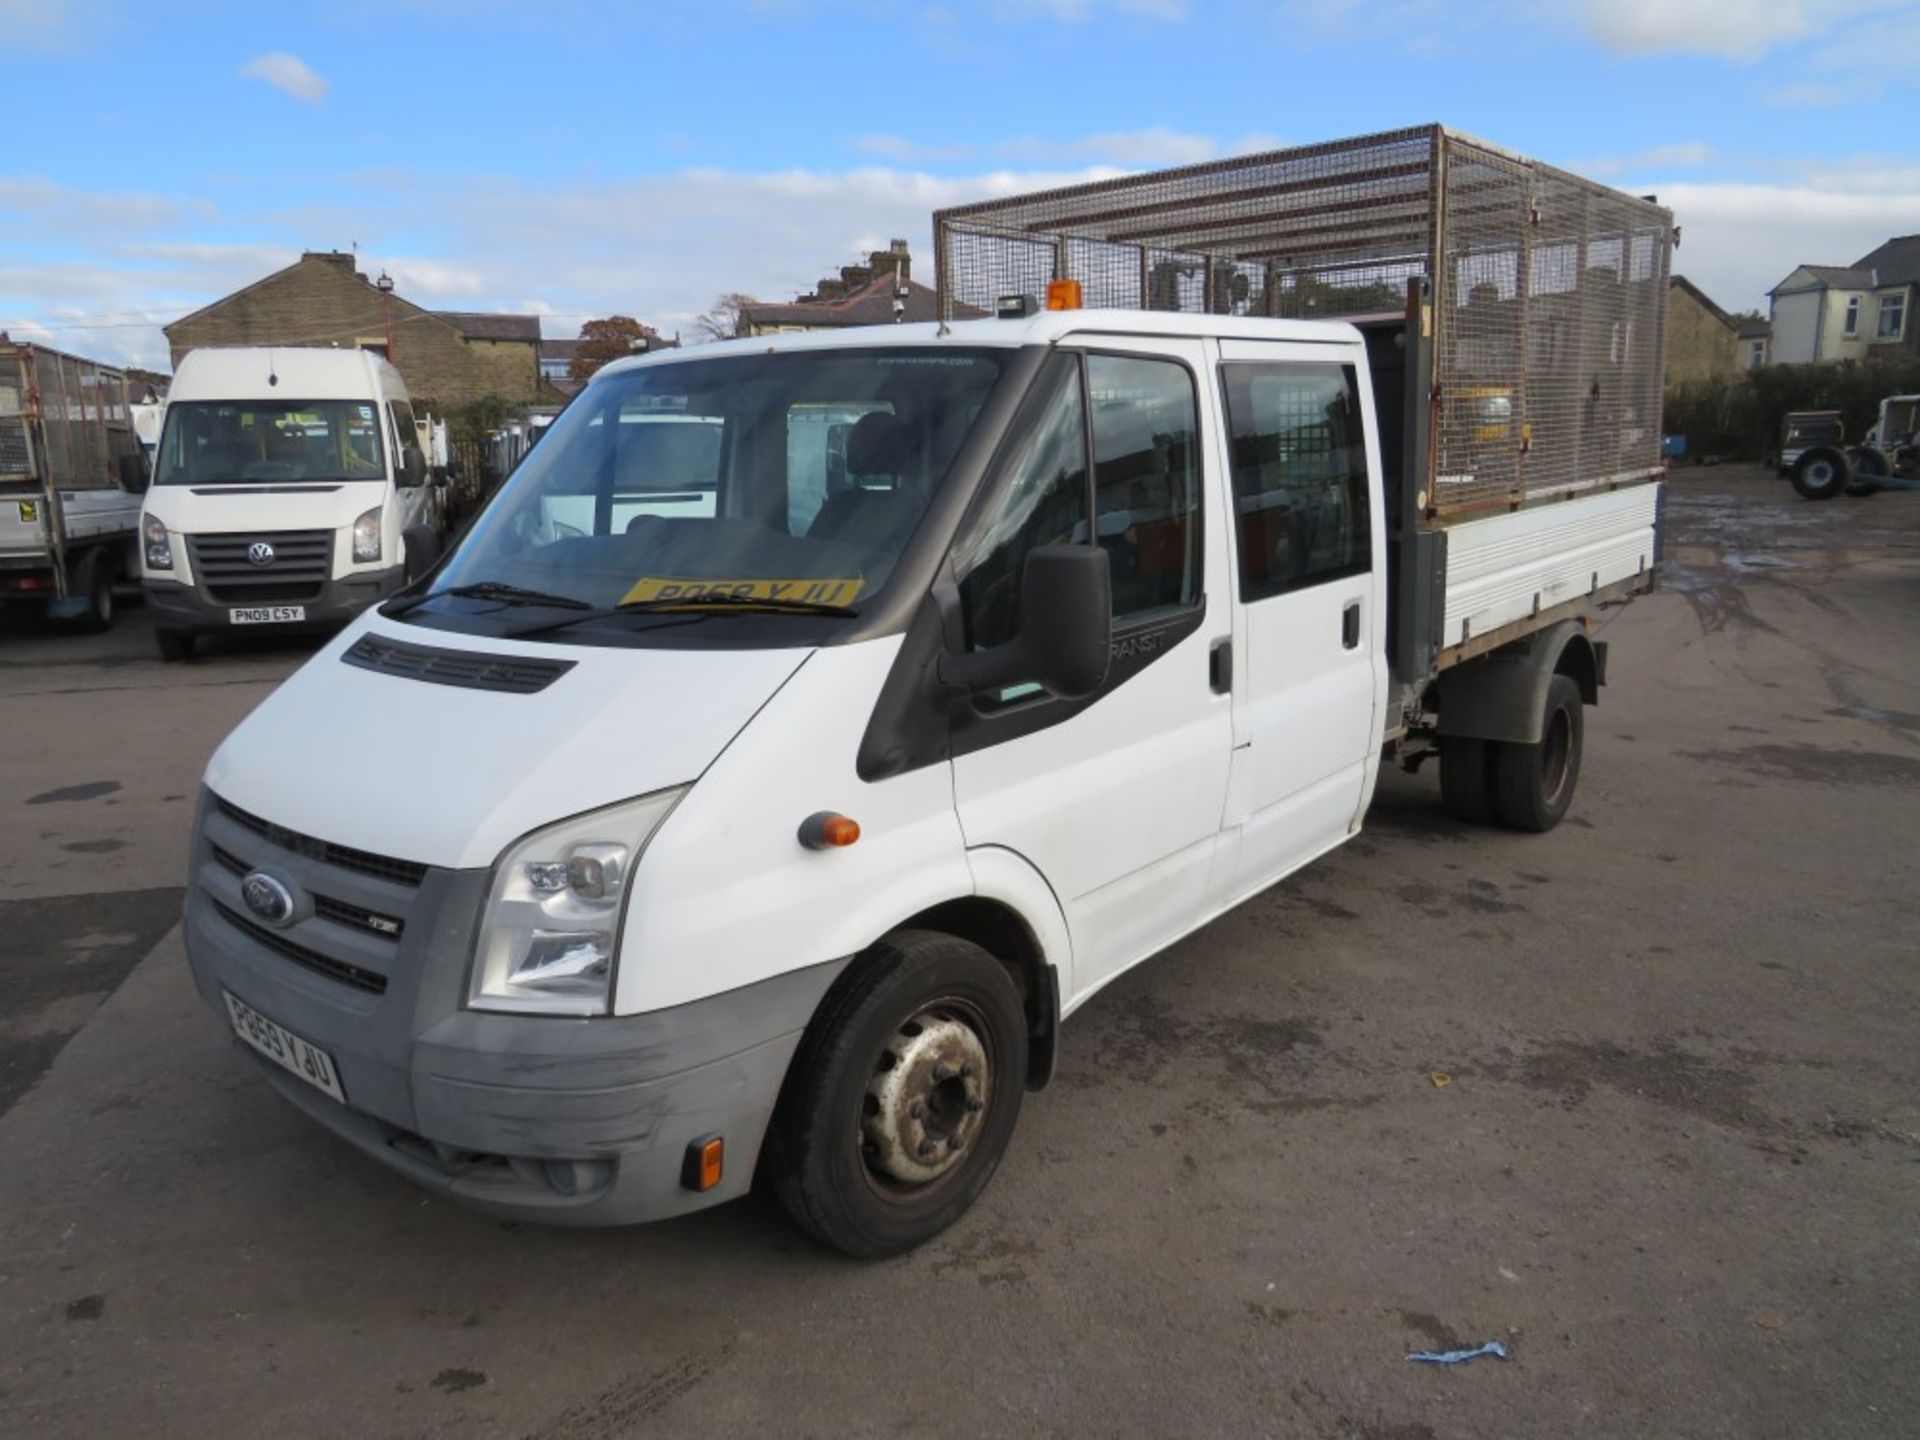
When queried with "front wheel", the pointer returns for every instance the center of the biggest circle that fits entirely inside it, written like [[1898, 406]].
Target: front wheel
[[1821, 473], [1533, 784], [903, 1095], [97, 580]]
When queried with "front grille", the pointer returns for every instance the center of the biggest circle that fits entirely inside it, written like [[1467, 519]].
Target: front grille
[[470, 670], [361, 862], [358, 917], [301, 566], [313, 960], [341, 912]]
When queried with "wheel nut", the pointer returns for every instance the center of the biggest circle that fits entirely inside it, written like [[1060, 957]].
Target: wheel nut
[[975, 1104], [942, 1073], [954, 1142], [928, 1149], [917, 1110], [966, 1071]]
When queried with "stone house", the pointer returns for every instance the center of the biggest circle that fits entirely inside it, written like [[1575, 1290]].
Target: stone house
[[1702, 339], [447, 357], [864, 294]]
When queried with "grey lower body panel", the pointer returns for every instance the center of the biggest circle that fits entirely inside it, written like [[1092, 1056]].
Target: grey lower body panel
[[542, 1118], [189, 607]]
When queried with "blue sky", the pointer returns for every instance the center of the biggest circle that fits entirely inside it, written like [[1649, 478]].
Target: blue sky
[[575, 159]]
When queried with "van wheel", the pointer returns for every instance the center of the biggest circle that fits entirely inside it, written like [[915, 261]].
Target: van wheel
[[1821, 473], [96, 577], [903, 1095], [1533, 784], [1466, 784], [174, 644]]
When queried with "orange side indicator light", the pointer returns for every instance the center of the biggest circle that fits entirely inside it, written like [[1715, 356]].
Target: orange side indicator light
[[828, 830], [702, 1168], [1063, 294]]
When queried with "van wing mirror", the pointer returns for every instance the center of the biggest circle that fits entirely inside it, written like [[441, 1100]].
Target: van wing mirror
[[1066, 628], [422, 549], [132, 469], [413, 467]]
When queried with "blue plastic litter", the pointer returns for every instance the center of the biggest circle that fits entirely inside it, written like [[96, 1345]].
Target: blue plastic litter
[[1459, 1357]]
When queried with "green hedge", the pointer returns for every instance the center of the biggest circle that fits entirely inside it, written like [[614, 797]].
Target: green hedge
[[1738, 416]]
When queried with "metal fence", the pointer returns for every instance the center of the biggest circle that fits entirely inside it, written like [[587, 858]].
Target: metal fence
[[1548, 291]]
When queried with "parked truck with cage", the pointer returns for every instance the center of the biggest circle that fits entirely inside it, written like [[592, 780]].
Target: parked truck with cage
[[1513, 316], [69, 463]]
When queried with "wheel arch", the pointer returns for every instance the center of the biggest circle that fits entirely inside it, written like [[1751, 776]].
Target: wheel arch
[[1502, 696]]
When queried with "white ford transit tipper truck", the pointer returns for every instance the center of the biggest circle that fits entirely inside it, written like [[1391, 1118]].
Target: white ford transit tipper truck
[[284, 487], [813, 722]]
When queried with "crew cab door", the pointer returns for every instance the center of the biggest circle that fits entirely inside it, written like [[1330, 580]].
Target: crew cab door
[[1116, 798], [1310, 669]]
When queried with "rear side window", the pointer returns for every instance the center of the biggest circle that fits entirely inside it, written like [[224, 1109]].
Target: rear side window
[[1146, 482], [405, 433], [1299, 461]]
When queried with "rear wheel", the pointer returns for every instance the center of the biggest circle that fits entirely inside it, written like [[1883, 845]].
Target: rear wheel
[[1533, 784], [96, 580], [1466, 787], [903, 1095], [1869, 467], [1821, 473], [174, 644]]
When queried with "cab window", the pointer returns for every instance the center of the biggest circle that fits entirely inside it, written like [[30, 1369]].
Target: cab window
[[1298, 451]]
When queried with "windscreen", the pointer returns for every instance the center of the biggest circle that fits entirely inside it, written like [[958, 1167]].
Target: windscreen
[[787, 477], [227, 442]]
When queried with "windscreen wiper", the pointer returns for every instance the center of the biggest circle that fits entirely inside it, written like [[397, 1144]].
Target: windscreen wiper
[[493, 590], [692, 604]]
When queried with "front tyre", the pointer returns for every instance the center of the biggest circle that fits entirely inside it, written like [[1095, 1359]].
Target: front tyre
[[1533, 784], [903, 1095], [1822, 473]]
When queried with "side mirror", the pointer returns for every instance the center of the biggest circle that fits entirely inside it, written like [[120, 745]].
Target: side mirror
[[413, 468], [1066, 628], [440, 477], [133, 473], [421, 546]]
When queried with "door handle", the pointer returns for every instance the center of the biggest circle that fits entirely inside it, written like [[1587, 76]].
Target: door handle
[[1220, 666], [1350, 626]]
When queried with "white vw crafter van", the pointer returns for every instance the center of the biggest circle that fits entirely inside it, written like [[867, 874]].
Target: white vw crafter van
[[283, 488], [806, 728]]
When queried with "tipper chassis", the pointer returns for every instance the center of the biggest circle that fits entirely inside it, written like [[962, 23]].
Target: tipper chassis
[[1514, 318]]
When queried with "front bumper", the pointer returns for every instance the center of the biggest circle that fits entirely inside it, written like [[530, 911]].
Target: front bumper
[[188, 607], [563, 1121]]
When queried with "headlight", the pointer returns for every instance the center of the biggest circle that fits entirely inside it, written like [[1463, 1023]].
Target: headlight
[[549, 934], [366, 537], [159, 544]]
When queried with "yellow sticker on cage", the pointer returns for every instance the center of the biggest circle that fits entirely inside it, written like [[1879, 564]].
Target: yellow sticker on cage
[[29, 511], [809, 592]]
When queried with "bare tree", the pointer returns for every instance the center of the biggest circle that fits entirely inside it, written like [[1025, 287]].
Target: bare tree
[[723, 321]]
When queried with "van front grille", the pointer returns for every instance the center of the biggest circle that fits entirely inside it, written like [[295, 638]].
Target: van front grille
[[363, 862], [294, 564], [333, 969]]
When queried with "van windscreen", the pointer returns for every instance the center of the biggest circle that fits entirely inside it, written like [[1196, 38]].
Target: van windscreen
[[791, 478], [238, 442]]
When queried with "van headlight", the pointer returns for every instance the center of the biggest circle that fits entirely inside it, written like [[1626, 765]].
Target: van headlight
[[551, 929], [366, 537], [159, 545]]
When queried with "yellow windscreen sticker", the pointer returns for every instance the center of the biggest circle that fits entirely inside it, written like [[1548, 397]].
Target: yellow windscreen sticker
[[813, 592]]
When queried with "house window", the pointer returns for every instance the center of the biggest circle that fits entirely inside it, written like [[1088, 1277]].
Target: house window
[[1853, 317], [1757, 354], [1893, 316]]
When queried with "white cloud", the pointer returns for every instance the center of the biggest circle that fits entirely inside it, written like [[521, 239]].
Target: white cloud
[[287, 73], [1821, 94], [1157, 145], [1680, 155], [1728, 29], [1074, 12], [38, 24]]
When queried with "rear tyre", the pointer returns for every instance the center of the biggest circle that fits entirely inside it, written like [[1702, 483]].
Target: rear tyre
[[1533, 784], [1821, 473], [1869, 468], [96, 579], [1466, 787], [174, 644], [902, 1097]]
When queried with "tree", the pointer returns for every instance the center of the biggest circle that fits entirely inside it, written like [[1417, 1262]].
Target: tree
[[722, 322], [604, 340]]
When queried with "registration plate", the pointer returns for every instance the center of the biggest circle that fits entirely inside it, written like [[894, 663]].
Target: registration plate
[[266, 614], [285, 1049]]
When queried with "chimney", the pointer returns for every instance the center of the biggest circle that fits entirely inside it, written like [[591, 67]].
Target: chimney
[[331, 257]]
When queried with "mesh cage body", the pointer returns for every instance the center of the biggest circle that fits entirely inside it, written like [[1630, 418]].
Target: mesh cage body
[[1548, 291], [79, 410]]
